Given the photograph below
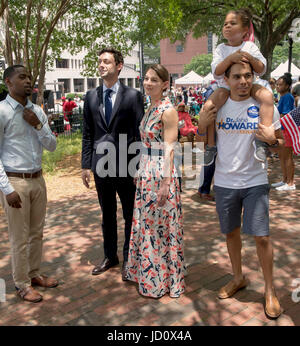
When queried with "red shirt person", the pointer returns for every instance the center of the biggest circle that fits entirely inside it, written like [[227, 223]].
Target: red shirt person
[[188, 127], [68, 107]]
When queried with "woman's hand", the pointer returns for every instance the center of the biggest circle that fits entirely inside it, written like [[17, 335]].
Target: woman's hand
[[163, 193]]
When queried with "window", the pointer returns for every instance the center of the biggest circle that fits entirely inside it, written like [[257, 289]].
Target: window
[[137, 82], [76, 63], [179, 48], [130, 82], [91, 83], [122, 80], [66, 85], [78, 85], [62, 63], [72, 63]]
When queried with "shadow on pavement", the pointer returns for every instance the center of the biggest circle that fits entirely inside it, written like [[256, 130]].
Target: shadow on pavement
[[73, 245]]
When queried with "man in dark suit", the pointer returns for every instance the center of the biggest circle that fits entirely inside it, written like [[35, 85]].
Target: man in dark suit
[[112, 112]]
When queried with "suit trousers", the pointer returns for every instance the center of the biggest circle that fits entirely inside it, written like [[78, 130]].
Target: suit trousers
[[25, 228], [107, 189]]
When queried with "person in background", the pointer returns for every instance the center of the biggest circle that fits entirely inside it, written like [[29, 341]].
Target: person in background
[[68, 110], [209, 171], [285, 105], [272, 82], [185, 95], [296, 88], [188, 130], [77, 99], [296, 98], [296, 93]]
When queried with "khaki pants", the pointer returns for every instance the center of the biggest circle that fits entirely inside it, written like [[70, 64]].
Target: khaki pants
[[25, 227]]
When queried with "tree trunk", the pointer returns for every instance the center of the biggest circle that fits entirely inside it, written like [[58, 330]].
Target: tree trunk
[[8, 49], [40, 96], [4, 4]]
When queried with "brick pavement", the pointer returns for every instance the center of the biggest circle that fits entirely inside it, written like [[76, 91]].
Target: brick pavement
[[72, 246]]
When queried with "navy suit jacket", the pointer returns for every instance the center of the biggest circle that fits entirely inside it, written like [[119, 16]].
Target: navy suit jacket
[[127, 114]]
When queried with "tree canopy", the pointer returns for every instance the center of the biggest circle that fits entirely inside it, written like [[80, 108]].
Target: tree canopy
[[34, 35], [200, 64], [281, 54], [175, 18]]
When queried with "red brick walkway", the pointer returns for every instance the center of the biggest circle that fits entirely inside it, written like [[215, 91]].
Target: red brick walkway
[[72, 246]]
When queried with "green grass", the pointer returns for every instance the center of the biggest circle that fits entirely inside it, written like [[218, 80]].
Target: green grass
[[66, 146]]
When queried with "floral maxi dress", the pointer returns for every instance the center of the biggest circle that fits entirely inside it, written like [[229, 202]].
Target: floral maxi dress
[[156, 260]]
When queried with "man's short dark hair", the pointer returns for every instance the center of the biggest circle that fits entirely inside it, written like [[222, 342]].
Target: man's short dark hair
[[227, 72], [11, 70], [117, 54]]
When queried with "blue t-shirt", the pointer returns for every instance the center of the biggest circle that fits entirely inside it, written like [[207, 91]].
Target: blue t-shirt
[[286, 104]]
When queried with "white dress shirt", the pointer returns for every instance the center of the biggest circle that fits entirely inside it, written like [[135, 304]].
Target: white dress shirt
[[21, 145], [113, 94]]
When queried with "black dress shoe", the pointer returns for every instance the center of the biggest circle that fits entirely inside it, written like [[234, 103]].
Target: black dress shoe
[[124, 271], [105, 265]]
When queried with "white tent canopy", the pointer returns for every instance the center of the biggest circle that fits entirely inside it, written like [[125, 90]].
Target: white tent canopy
[[208, 78], [283, 68], [190, 78]]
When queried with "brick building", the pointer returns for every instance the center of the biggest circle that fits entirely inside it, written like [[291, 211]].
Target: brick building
[[175, 55]]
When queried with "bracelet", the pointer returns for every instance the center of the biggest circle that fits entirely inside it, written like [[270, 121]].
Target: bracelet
[[201, 134]]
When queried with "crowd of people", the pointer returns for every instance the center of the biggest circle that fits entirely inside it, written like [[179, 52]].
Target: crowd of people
[[229, 121]]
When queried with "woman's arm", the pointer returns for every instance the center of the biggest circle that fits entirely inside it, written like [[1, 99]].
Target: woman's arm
[[170, 133]]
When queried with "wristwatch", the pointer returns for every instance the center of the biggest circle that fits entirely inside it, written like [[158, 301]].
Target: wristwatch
[[39, 126], [274, 145]]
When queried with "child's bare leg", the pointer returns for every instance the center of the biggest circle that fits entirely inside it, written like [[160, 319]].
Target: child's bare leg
[[218, 99]]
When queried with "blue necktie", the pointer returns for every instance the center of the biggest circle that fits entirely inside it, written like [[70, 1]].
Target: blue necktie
[[108, 105]]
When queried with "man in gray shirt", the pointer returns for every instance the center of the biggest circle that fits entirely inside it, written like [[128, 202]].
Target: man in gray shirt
[[296, 88], [24, 132]]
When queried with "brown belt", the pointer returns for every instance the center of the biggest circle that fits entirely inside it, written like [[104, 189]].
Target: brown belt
[[25, 175]]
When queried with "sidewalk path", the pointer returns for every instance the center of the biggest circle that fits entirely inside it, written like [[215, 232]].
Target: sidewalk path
[[72, 246]]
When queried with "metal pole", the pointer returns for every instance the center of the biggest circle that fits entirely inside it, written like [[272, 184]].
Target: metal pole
[[290, 53], [142, 67]]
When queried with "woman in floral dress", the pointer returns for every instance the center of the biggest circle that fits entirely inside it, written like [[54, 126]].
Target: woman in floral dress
[[156, 259]]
